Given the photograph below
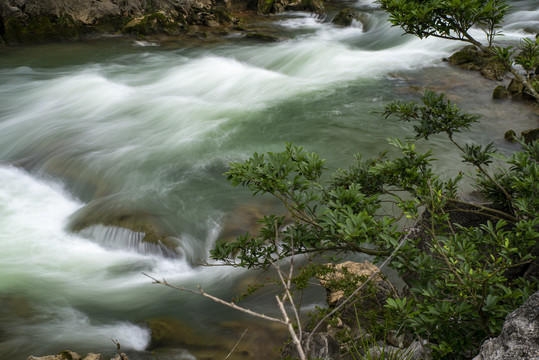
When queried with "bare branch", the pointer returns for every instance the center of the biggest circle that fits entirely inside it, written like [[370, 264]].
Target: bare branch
[[235, 346], [291, 329], [217, 300], [362, 285]]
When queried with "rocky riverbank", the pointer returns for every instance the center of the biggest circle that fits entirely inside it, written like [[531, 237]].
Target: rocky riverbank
[[24, 21]]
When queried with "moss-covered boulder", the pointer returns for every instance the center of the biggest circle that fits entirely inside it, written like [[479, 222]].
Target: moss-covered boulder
[[500, 92], [41, 28], [472, 58], [510, 135], [529, 136]]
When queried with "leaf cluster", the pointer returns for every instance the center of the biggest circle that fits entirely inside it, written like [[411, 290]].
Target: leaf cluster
[[448, 19], [463, 278]]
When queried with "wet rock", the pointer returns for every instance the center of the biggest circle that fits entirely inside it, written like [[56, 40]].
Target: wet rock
[[510, 135], [262, 37], [471, 58], [102, 221], [155, 24], [529, 136], [278, 6], [46, 20], [318, 346], [519, 339], [347, 16], [500, 92], [516, 89]]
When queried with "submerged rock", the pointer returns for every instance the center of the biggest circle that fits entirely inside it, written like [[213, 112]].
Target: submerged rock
[[116, 227], [519, 339], [258, 342]]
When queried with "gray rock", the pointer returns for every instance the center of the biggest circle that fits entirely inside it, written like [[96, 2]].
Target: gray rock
[[519, 339]]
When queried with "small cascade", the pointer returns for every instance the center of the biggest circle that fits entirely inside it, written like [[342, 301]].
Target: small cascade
[[118, 238]]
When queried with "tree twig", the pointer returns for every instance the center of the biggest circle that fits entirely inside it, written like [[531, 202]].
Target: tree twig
[[217, 300], [235, 346]]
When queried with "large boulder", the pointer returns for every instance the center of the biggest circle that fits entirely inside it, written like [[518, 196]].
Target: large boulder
[[519, 339]]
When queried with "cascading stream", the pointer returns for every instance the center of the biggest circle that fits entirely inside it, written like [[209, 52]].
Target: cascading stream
[[111, 131]]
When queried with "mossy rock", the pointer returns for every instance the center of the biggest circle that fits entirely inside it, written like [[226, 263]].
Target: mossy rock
[[466, 56], [41, 28], [346, 17], [313, 5], [494, 69], [500, 92], [510, 135], [265, 7], [515, 88], [262, 36], [471, 58], [529, 136], [156, 23]]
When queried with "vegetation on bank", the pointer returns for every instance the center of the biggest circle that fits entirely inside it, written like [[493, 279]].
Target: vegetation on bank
[[466, 265], [462, 280]]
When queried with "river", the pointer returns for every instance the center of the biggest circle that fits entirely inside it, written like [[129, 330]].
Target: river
[[117, 126]]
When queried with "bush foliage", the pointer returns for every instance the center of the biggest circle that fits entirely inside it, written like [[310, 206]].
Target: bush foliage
[[463, 278]]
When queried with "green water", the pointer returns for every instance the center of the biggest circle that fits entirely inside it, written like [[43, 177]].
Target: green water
[[114, 125]]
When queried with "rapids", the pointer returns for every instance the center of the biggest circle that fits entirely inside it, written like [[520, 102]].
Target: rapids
[[123, 126]]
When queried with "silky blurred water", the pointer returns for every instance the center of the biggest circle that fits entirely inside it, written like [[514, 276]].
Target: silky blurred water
[[116, 125]]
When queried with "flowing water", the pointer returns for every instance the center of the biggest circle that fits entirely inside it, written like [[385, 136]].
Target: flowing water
[[115, 126]]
